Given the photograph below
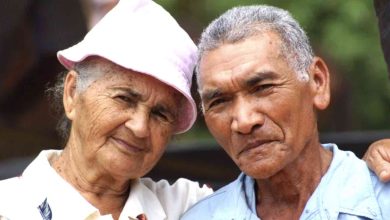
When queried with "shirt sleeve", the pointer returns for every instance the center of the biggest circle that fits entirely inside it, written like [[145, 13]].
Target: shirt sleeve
[[382, 193]]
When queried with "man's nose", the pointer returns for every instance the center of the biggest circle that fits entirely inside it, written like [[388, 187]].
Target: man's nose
[[246, 116], [138, 122]]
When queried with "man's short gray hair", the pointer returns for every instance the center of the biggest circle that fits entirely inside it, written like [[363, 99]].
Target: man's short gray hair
[[243, 22]]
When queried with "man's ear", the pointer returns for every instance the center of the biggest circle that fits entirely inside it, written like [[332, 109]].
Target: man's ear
[[70, 94], [320, 83]]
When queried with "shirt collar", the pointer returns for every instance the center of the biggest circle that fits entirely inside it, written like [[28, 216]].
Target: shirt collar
[[65, 201], [241, 196], [345, 188]]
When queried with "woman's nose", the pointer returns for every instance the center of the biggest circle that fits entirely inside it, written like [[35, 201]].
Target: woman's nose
[[138, 123]]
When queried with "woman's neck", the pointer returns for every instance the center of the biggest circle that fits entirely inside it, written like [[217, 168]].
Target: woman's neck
[[102, 191]]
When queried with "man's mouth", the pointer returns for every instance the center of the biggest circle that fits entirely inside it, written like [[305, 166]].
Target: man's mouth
[[255, 145]]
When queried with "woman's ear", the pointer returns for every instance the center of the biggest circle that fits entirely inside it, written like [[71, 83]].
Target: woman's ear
[[320, 83], [70, 94]]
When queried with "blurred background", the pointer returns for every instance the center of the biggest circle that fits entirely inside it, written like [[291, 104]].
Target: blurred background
[[345, 33]]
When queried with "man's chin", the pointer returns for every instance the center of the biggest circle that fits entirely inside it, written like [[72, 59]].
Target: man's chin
[[259, 171]]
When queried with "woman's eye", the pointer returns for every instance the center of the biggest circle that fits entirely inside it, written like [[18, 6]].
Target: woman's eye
[[161, 115], [125, 99]]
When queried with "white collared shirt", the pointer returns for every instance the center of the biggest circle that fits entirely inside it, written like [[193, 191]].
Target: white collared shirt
[[40, 193]]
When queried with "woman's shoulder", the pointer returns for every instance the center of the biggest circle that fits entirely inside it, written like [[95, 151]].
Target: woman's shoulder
[[14, 198], [176, 197], [180, 186], [10, 188]]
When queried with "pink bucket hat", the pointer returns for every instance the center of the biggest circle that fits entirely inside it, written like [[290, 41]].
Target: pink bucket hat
[[140, 35]]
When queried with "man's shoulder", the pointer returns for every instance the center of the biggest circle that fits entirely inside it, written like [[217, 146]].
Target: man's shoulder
[[351, 187], [207, 207], [382, 194]]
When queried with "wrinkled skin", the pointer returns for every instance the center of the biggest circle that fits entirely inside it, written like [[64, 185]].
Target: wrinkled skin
[[256, 107], [264, 117], [121, 125]]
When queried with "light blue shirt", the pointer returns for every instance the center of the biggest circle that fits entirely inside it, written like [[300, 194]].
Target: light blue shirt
[[348, 190]]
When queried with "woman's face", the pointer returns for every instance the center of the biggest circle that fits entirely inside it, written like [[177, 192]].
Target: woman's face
[[121, 123]]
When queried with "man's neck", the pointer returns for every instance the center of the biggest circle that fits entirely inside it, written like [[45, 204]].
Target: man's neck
[[284, 195]]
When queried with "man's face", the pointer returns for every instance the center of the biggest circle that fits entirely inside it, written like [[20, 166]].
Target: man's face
[[255, 105]]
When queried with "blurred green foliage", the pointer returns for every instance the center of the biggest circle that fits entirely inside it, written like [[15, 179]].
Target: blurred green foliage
[[344, 33]]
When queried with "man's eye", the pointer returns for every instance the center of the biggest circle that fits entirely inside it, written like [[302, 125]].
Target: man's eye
[[263, 87], [215, 103]]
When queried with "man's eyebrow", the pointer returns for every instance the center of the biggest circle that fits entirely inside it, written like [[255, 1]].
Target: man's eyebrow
[[210, 94], [258, 77]]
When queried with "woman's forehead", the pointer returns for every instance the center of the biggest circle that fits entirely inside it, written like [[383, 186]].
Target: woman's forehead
[[142, 85], [113, 75]]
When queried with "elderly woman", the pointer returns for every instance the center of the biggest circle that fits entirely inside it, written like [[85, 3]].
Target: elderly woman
[[126, 94]]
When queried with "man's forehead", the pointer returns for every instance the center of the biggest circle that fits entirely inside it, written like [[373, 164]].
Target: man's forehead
[[265, 44]]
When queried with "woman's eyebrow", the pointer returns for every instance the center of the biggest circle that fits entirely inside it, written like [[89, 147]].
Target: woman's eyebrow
[[130, 92]]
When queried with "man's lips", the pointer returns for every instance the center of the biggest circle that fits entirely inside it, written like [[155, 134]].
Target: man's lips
[[128, 145], [255, 144]]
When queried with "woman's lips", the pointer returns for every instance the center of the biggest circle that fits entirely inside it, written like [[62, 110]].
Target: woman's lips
[[128, 146]]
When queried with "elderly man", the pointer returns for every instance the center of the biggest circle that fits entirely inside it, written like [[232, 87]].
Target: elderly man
[[261, 87], [125, 94]]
